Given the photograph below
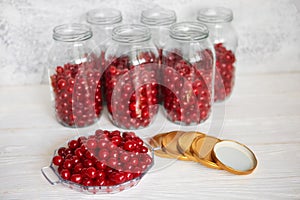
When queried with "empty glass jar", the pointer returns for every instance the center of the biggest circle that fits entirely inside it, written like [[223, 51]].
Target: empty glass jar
[[224, 38], [188, 74], [74, 73], [130, 80]]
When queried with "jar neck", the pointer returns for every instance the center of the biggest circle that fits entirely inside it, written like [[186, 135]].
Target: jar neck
[[104, 16], [131, 33], [72, 33], [158, 16], [189, 31], [215, 15]]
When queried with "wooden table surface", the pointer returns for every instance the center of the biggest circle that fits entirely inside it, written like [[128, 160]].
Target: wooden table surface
[[263, 113]]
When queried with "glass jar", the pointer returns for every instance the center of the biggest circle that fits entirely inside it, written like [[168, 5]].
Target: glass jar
[[102, 21], [188, 74], [131, 86], [74, 73], [224, 38], [159, 21]]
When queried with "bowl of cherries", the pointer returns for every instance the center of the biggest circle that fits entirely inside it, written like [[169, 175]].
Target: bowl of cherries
[[105, 162]]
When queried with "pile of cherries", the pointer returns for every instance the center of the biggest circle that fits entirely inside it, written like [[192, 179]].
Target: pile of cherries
[[186, 87], [103, 159], [224, 79], [131, 90], [77, 93]]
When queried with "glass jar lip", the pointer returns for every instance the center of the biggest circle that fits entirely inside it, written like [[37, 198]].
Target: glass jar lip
[[215, 15], [158, 16], [189, 31], [72, 32], [104, 16], [131, 33]]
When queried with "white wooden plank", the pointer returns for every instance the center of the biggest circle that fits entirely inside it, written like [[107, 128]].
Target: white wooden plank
[[263, 113]]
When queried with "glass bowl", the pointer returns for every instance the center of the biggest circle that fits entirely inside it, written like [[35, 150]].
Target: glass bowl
[[52, 175]]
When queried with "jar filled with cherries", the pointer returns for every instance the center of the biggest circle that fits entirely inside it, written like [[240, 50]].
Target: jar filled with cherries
[[74, 72], [224, 38], [131, 86], [159, 21], [188, 74]]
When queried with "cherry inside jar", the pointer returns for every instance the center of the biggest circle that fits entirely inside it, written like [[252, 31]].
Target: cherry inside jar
[[225, 72], [77, 93], [131, 83], [187, 74], [225, 40], [186, 91], [75, 72], [132, 91]]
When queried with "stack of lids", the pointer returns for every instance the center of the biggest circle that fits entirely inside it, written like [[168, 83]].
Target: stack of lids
[[207, 150]]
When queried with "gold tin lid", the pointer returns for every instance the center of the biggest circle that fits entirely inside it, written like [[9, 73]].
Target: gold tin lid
[[234, 157], [202, 150], [156, 143], [169, 145], [185, 141]]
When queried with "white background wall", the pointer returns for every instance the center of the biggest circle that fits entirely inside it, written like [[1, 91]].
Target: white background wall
[[269, 31]]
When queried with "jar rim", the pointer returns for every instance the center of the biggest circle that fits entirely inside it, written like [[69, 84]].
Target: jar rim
[[104, 16], [189, 31], [72, 32], [215, 15], [131, 33], [158, 16]]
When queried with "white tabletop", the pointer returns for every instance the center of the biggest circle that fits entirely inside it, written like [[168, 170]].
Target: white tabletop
[[263, 113]]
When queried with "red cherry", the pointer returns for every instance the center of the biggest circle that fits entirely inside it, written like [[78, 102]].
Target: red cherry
[[91, 172], [139, 141], [76, 178], [118, 177], [61, 151], [129, 146], [78, 168], [134, 161], [102, 143], [89, 154], [116, 140], [83, 148], [91, 144], [100, 165], [128, 176], [100, 182], [59, 70], [115, 133], [67, 164], [65, 174], [68, 151], [75, 160], [87, 182], [78, 152], [124, 157], [103, 154], [73, 144], [100, 174], [112, 162], [57, 160], [88, 163], [143, 149]]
